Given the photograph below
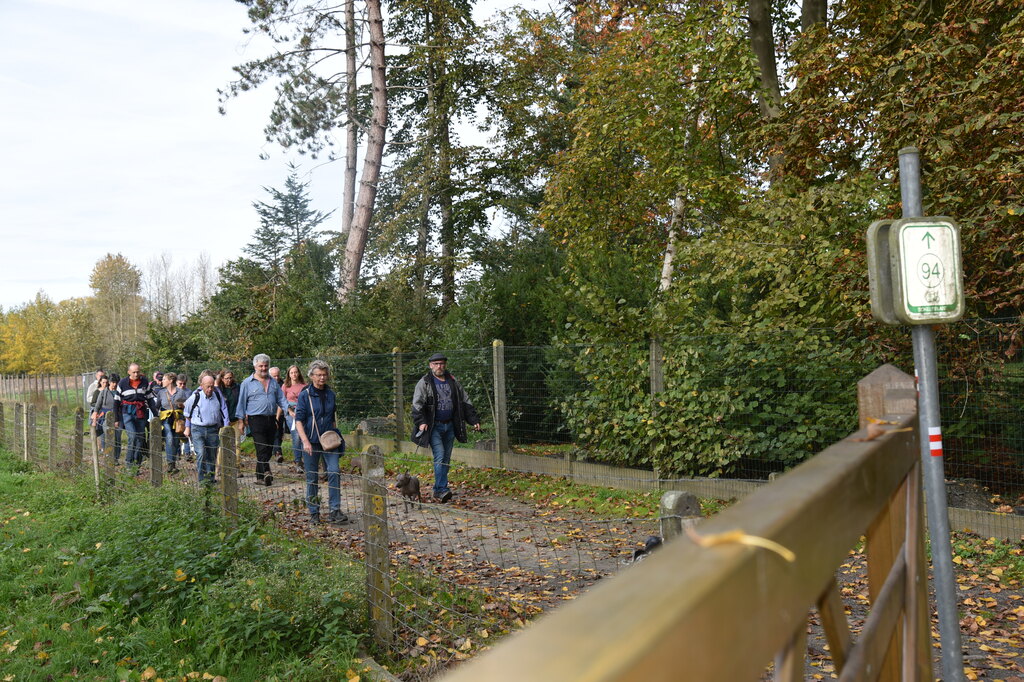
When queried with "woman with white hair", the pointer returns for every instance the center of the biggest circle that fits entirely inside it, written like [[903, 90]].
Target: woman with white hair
[[318, 430]]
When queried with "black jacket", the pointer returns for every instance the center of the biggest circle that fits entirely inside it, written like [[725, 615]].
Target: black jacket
[[424, 402]]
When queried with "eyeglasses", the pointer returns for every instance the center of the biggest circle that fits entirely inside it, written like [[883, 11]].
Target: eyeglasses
[[318, 374]]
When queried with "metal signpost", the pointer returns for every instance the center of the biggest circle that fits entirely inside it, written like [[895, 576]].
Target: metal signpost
[[914, 267]]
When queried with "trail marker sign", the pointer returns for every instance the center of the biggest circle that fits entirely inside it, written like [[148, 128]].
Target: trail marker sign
[[927, 275], [915, 271]]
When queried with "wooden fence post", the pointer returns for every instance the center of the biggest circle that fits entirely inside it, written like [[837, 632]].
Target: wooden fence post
[[51, 458], [501, 445], [888, 391], [399, 399], [95, 456], [375, 531], [19, 426], [156, 451], [77, 437], [3, 425], [357, 440], [30, 432], [228, 473], [109, 437]]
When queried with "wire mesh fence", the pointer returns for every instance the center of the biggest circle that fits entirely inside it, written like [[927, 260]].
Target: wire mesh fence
[[715, 415]]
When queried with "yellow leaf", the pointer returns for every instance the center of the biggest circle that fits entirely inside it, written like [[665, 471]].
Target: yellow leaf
[[466, 645], [149, 673], [66, 627], [42, 655], [422, 641], [98, 545], [179, 576]]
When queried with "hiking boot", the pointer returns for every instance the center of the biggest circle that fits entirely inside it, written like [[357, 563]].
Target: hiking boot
[[444, 497], [280, 459], [337, 518], [267, 480], [171, 469], [314, 519]]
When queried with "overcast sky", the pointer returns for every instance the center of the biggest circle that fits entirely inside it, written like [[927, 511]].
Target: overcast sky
[[110, 139]]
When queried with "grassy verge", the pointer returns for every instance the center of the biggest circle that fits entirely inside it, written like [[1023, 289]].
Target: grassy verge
[[155, 584]]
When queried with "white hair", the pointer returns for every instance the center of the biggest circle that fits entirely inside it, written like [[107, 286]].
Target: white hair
[[260, 357], [319, 364]]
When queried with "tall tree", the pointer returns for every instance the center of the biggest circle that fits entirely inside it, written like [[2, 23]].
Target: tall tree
[[314, 98], [118, 304]]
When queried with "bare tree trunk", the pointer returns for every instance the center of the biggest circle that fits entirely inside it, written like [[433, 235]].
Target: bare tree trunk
[[444, 191], [427, 180], [813, 12], [762, 42], [352, 141], [668, 263], [371, 162]]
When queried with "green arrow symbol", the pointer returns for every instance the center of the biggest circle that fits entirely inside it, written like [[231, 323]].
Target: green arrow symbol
[[927, 236]]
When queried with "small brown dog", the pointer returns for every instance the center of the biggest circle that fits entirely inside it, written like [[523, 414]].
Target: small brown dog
[[409, 487]]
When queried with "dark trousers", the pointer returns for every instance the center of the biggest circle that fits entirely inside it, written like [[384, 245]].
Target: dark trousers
[[279, 436], [263, 428]]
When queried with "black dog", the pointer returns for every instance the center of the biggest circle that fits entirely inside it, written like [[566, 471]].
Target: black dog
[[409, 487]]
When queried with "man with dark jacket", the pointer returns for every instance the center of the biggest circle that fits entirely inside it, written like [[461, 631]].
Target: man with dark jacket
[[441, 408], [135, 400]]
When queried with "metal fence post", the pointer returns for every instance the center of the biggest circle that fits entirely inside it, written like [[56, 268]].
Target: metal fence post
[[378, 563], [52, 453], [156, 449], [399, 399], [501, 444], [657, 370], [76, 438], [228, 473]]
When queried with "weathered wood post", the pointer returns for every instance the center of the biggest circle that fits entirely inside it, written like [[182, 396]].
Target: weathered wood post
[[19, 427], [357, 440], [77, 437], [501, 445], [228, 458], [375, 532], [156, 451], [399, 399], [30, 432], [51, 457], [64, 385], [3, 425], [109, 437], [657, 370], [887, 392], [677, 506], [95, 455]]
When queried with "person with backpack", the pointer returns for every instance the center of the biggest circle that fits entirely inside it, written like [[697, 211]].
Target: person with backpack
[[172, 405], [206, 412]]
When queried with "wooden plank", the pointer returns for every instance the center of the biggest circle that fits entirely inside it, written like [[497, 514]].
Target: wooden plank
[[678, 607], [867, 658], [789, 662], [833, 621], [883, 545]]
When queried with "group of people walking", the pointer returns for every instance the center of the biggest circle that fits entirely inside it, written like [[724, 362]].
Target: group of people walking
[[264, 406]]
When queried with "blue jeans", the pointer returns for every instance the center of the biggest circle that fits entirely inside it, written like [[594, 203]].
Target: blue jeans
[[311, 463], [172, 441], [442, 439], [206, 440], [136, 428], [297, 448]]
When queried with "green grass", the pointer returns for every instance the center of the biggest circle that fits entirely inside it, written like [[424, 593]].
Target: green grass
[[990, 556], [158, 579], [553, 492]]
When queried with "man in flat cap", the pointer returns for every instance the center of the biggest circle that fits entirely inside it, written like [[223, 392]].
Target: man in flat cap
[[441, 408]]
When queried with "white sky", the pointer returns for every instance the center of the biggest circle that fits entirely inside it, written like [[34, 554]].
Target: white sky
[[110, 139]]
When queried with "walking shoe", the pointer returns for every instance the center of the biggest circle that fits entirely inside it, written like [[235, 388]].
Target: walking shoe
[[280, 459], [172, 469], [267, 480], [444, 497], [337, 518], [314, 519]]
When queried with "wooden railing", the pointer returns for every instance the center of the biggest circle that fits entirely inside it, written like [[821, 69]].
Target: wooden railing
[[725, 611]]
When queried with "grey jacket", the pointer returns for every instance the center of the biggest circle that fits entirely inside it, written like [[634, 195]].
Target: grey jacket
[[424, 402]]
